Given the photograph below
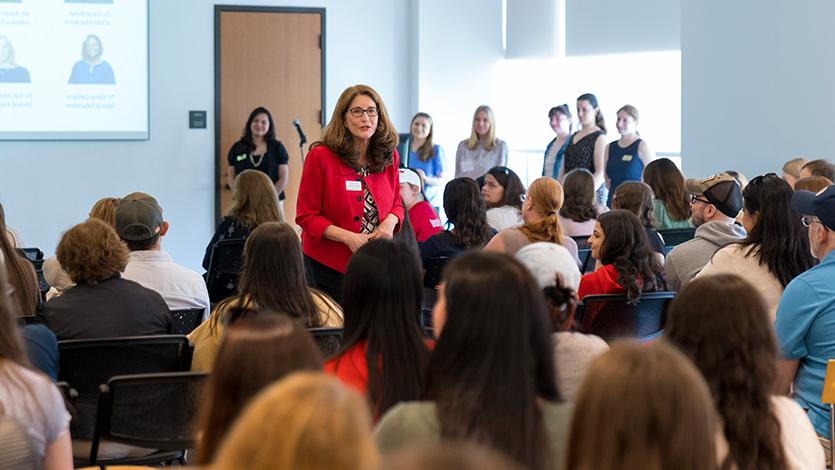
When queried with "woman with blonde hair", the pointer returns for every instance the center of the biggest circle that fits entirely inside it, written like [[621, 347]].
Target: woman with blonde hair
[[253, 203], [791, 169], [350, 189], [482, 150], [643, 407], [540, 212], [307, 421]]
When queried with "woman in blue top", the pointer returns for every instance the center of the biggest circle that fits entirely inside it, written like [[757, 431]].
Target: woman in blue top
[[426, 156], [626, 157], [92, 69], [560, 117], [10, 72]]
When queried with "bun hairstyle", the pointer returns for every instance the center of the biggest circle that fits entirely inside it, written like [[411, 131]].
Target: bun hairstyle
[[598, 116]]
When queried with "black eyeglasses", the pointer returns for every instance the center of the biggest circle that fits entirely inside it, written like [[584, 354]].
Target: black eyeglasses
[[694, 199], [358, 112]]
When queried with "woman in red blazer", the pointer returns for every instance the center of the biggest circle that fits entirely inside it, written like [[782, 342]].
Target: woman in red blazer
[[350, 188]]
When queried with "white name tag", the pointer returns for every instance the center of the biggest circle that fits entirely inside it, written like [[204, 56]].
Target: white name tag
[[353, 185], [627, 158], [467, 166]]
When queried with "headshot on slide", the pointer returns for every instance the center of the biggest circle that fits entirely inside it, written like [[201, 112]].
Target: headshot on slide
[[91, 69], [10, 72]]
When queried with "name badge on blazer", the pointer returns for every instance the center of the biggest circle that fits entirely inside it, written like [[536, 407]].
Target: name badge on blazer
[[353, 185], [627, 158]]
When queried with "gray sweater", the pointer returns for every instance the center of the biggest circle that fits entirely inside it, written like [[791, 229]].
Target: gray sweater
[[687, 259]]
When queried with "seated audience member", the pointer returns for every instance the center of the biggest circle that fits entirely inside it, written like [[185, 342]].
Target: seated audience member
[[54, 274], [307, 421], [26, 295], [627, 264], [503, 192], [406, 234], [273, 279], [714, 201], [791, 170], [814, 184], [806, 314], [820, 167], [465, 211], [140, 225], [671, 206], [27, 396], [257, 351], [643, 407], [556, 272], [448, 456], [637, 197], [383, 352], [775, 250], [540, 212], [422, 216], [580, 209], [41, 348], [102, 304], [721, 323], [253, 203], [491, 375]]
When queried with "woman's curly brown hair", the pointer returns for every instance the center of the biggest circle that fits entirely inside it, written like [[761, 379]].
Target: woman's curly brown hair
[[91, 252]]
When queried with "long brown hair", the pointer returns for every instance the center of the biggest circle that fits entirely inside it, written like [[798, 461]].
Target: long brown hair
[[11, 343], [336, 136], [667, 182], [579, 192], [254, 201], [255, 352], [21, 274], [636, 197], [467, 212], [722, 323], [643, 408], [273, 278], [546, 197], [426, 151]]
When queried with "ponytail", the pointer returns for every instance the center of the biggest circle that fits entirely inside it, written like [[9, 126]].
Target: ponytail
[[599, 120]]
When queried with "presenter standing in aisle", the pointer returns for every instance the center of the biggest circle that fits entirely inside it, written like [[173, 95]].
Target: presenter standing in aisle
[[350, 190], [258, 149]]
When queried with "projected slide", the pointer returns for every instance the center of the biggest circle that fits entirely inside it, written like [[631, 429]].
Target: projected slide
[[73, 69]]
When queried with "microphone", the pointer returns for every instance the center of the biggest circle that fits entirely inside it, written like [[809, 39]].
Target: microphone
[[298, 125]]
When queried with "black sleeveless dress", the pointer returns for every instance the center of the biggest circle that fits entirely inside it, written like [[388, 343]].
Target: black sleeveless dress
[[580, 154]]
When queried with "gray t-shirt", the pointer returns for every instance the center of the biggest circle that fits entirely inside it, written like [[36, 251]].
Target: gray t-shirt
[[34, 402], [573, 354], [475, 163]]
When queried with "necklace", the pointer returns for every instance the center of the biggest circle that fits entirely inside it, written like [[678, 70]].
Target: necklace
[[252, 160]]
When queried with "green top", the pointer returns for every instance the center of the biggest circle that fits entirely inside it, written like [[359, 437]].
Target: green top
[[417, 422], [663, 221]]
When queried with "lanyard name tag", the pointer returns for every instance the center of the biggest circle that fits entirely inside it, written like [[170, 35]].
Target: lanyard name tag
[[353, 185]]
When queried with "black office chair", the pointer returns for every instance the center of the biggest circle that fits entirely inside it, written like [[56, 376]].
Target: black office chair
[[225, 265], [676, 236], [434, 268], [611, 317], [586, 261], [185, 321], [328, 339], [35, 256], [85, 364], [582, 242], [154, 411]]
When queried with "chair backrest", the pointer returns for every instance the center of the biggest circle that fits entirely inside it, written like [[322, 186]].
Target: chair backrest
[[434, 268], [225, 265], [155, 411], [32, 254], [677, 236], [582, 241], [16, 450], [185, 321], [612, 317], [328, 339], [586, 260], [35, 256]]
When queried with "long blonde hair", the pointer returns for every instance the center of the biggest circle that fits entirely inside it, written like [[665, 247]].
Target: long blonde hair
[[306, 421], [254, 200], [472, 142], [546, 197]]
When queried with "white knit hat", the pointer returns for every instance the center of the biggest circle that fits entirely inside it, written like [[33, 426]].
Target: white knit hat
[[545, 260]]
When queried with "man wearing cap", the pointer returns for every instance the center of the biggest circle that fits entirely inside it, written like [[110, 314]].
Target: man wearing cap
[[715, 202], [422, 217], [140, 224], [805, 324]]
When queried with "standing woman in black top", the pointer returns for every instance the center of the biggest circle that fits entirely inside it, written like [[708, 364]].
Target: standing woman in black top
[[258, 149], [586, 147]]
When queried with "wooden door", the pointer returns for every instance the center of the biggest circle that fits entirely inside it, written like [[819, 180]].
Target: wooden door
[[269, 57]]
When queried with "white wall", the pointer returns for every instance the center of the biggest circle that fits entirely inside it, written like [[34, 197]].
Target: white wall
[[616, 26], [46, 187], [757, 84]]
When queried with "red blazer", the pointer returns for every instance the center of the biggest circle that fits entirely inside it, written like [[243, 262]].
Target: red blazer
[[330, 193]]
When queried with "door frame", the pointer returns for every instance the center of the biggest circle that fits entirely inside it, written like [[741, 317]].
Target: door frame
[[219, 9]]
